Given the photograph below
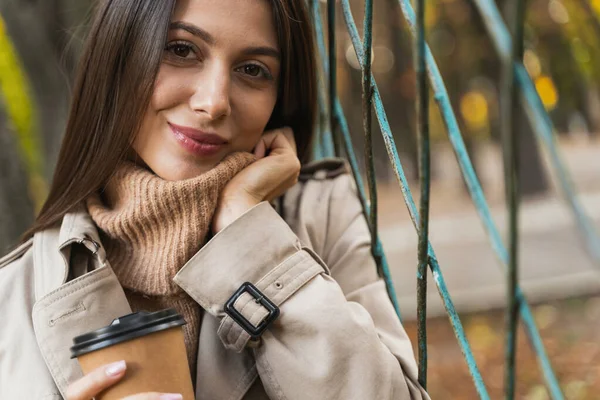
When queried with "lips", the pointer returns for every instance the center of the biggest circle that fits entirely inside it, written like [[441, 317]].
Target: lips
[[196, 141], [198, 135]]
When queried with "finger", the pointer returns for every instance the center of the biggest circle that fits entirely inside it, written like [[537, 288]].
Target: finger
[[280, 139], [155, 396], [96, 381], [260, 150], [282, 142], [289, 135]]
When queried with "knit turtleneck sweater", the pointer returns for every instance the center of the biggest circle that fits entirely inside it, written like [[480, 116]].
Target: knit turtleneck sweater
[[151, 227]]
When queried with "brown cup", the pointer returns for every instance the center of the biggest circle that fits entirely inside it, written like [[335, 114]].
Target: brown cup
[[151, 344]]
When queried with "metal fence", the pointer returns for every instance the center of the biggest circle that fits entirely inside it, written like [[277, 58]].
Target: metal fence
[[334, 138]]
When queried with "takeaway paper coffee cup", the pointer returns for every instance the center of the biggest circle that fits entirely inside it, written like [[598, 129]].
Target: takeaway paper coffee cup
[[151, 344]]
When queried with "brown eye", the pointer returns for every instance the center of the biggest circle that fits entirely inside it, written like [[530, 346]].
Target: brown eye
[[181, 50], [252, 70]]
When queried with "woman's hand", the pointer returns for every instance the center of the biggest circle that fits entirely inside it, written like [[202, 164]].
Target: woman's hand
[[276, 170], [104, 377]]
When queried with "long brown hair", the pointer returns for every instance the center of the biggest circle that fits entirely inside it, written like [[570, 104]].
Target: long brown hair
[[114, 84]]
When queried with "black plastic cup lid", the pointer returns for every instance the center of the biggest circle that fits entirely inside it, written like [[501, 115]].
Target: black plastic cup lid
[[126, 328]]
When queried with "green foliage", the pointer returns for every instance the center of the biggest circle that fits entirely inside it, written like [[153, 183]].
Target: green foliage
[[20, 109]]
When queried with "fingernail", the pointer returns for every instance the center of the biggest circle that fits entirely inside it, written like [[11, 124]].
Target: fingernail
[[115, 368], [171, 396]]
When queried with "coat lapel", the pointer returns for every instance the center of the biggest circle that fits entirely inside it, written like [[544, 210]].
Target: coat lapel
[[64, 309]]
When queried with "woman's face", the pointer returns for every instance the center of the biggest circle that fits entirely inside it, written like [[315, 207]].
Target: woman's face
[[216, 88]]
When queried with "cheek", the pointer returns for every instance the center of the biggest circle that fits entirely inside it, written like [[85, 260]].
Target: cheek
[[167, 93], [164, 96], [168, 90], [253, 113]]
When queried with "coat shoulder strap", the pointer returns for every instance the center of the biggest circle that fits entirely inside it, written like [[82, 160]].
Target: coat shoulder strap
[[326, 168]]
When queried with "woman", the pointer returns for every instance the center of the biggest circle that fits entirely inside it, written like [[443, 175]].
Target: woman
[[189, 121]]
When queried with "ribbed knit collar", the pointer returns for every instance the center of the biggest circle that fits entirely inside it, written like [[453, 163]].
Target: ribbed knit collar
[[151, 227]]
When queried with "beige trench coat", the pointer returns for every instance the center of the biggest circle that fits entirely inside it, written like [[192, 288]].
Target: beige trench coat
[[337, 336]]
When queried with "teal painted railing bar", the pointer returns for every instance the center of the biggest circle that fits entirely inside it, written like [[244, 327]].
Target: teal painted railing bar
[[396, 164], [332, 71], [433, 263], [441, 97], [425, 182], [324, 146], [510, 141], [540, 122], [368, 150], [366, 106], [317, 145], [383, 268], [340, 121]]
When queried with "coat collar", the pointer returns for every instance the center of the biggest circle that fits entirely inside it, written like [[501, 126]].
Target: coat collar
[[52, 249]]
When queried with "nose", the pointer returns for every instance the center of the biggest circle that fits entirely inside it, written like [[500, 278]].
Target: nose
[[212, 95]]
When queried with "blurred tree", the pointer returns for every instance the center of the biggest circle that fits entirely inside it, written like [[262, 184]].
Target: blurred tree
[[43, 34], [16, 208]]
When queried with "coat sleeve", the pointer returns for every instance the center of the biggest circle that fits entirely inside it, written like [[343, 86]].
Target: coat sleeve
[[330, 341]]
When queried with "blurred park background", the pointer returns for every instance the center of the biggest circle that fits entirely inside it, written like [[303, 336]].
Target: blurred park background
[[40, 41]]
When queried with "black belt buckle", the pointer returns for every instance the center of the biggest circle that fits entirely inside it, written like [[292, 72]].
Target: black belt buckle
[[253, 331]]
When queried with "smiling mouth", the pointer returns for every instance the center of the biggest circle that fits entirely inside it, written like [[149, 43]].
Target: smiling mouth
[[197, 142]]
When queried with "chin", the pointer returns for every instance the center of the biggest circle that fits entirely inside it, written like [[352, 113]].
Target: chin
[[180, 171]]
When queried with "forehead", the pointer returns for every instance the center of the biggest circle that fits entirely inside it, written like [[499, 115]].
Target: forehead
[[230, 21]]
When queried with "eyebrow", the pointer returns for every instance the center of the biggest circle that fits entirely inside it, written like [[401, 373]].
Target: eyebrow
[[208, 38], [262, 51], [194, 30]]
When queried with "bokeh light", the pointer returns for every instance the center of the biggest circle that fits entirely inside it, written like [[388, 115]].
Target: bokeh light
[[474, 109], [547, 91], [532, 64]]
